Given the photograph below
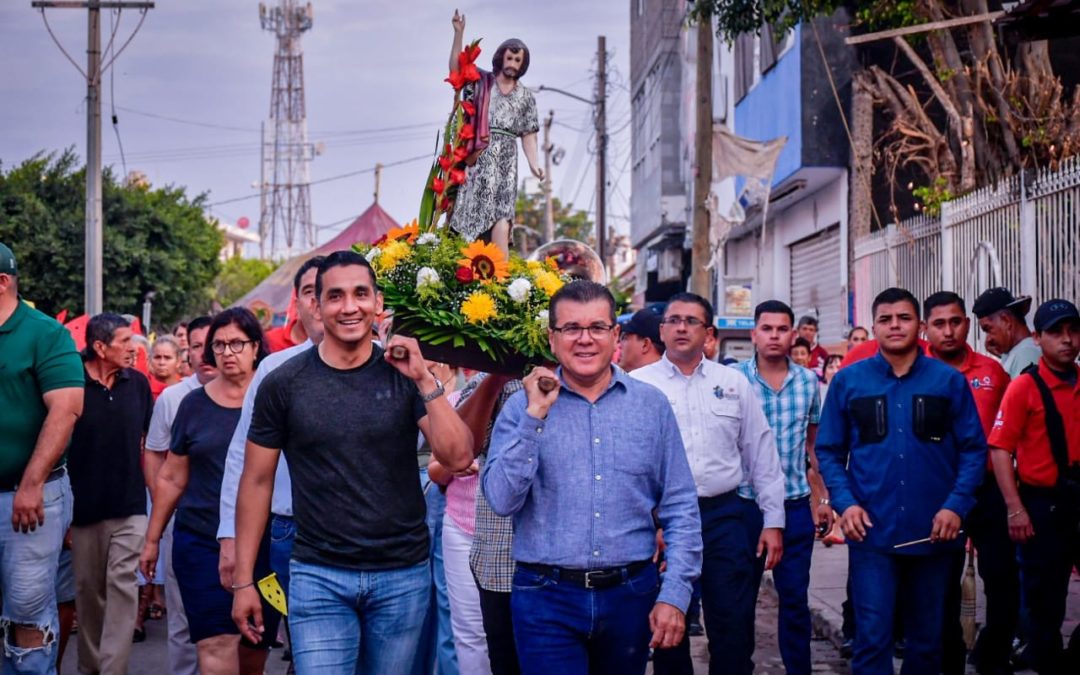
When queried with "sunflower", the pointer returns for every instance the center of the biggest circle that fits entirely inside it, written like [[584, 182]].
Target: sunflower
[[478, 307], [549, 282], [393, 253], [409, 232], [486, 260]]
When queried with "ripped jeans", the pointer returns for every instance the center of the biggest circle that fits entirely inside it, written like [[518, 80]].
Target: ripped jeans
[[28, 565]]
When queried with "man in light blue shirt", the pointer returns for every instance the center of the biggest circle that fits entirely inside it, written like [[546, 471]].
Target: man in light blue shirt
[[282, 528], [582, 469], [791, 399]]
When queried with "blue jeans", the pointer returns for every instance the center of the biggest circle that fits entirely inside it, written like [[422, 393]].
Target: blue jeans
[[878, 578], [347, 621], [791, 578], [565, 629], [28, 565], [282, 536], [436, 652]]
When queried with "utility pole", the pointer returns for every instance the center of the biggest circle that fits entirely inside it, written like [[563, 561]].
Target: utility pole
[[700, 277], [378, 179], [93, 297], [601, 149], [262, 190], [549, 208]]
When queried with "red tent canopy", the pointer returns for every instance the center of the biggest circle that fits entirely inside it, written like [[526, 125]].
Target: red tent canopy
[[270, 299]]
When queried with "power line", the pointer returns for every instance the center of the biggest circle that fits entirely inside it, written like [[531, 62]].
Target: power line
[[113, 27], [350, 174]]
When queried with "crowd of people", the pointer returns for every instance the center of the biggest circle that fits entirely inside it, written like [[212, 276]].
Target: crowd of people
[[418, 518]]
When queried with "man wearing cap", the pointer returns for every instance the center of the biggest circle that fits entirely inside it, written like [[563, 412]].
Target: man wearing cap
[[41, 397], [1039, 425], [1001, 317], [639, 341]]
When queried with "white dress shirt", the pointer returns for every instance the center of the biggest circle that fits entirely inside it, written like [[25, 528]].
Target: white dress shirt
[[724, 430], [281, 501]]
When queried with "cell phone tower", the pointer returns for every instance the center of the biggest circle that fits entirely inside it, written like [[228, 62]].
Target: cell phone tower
[[285, 206]]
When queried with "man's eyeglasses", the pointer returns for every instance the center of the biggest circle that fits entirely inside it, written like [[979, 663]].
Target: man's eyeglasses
[[235, 346], [690, 321], [597, 331]]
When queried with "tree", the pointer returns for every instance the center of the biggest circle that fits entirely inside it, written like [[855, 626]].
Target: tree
[[958, 110], [154, 240], [569, 224], [238, 276]]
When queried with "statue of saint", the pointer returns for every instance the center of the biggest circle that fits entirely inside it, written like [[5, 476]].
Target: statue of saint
[[505, 111]]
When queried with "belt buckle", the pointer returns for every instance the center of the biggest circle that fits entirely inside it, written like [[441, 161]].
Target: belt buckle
[[588, 578]]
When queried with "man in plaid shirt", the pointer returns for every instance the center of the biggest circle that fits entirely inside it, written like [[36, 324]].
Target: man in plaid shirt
[[790, 397]]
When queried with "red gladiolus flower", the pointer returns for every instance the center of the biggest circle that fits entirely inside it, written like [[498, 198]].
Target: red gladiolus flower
[[456, 80], [445, 204], [464, 275], [466, 132], [457, 176], [470, 73], [468, 107], [461, 153], [380, 241], [438, 185], [446, 161], [471, 52]]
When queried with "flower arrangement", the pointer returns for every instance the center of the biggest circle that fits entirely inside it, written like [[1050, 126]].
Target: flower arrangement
[[444, 291]]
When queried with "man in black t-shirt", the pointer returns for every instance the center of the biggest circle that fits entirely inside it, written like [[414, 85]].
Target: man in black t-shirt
[[108, 526], [347, 416]]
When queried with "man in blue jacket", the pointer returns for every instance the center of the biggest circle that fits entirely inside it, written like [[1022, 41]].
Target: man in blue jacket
[[902, 450]]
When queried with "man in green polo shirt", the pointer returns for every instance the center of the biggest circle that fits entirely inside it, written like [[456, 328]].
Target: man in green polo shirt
[[41, 396]]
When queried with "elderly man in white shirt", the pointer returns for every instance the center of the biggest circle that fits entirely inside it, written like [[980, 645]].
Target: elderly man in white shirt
[[727, 438]]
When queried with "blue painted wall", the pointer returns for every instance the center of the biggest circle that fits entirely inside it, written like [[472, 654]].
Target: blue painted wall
[[773, 108]]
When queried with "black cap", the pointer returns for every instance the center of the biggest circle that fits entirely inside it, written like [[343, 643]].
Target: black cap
[[644, 323], [1052, 312], [996, 299]]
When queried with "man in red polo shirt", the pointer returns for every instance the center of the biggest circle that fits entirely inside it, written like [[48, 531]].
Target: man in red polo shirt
[[1042, 514], [946, 326]]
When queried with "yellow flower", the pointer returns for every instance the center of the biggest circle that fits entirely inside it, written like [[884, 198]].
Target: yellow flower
[[409, 232], [534, 266], [478, 307], [393, 253], [486, 260], [549, 282]]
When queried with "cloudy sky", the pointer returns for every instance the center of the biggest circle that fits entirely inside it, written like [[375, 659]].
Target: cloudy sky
[[193, 85]]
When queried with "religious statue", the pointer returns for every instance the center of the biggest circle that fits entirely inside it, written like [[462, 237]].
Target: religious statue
[[505, 111]]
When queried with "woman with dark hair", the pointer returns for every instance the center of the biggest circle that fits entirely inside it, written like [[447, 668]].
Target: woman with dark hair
[[190, 484]]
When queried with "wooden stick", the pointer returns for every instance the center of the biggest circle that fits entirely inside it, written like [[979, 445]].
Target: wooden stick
[[922, 28]]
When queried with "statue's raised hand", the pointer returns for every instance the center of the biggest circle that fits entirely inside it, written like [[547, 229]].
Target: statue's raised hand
[[459, 22]]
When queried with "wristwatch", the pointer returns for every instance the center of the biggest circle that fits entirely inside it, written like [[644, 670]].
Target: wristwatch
[[439, 391]]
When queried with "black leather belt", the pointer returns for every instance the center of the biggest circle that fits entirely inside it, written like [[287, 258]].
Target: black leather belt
[[593, 579], [55, 474]]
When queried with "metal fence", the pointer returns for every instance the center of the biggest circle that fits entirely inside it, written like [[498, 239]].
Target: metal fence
[[1023, 233]]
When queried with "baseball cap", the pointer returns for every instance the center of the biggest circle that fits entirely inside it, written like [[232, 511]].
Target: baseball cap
[[996, 299], [644, 323], [1052, 312], [7, 261]]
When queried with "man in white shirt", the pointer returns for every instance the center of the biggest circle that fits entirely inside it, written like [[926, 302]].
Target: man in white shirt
[[1003, 318], [282, 528], [727, 438], [183, 659]]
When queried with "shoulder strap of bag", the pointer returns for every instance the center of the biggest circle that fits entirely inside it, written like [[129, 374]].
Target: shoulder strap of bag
[[1055, 426]]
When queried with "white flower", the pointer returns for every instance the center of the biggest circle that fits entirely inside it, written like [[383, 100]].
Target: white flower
[[375, 252], [519, 290], [427, 277], [542, 318], [427, 238]]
